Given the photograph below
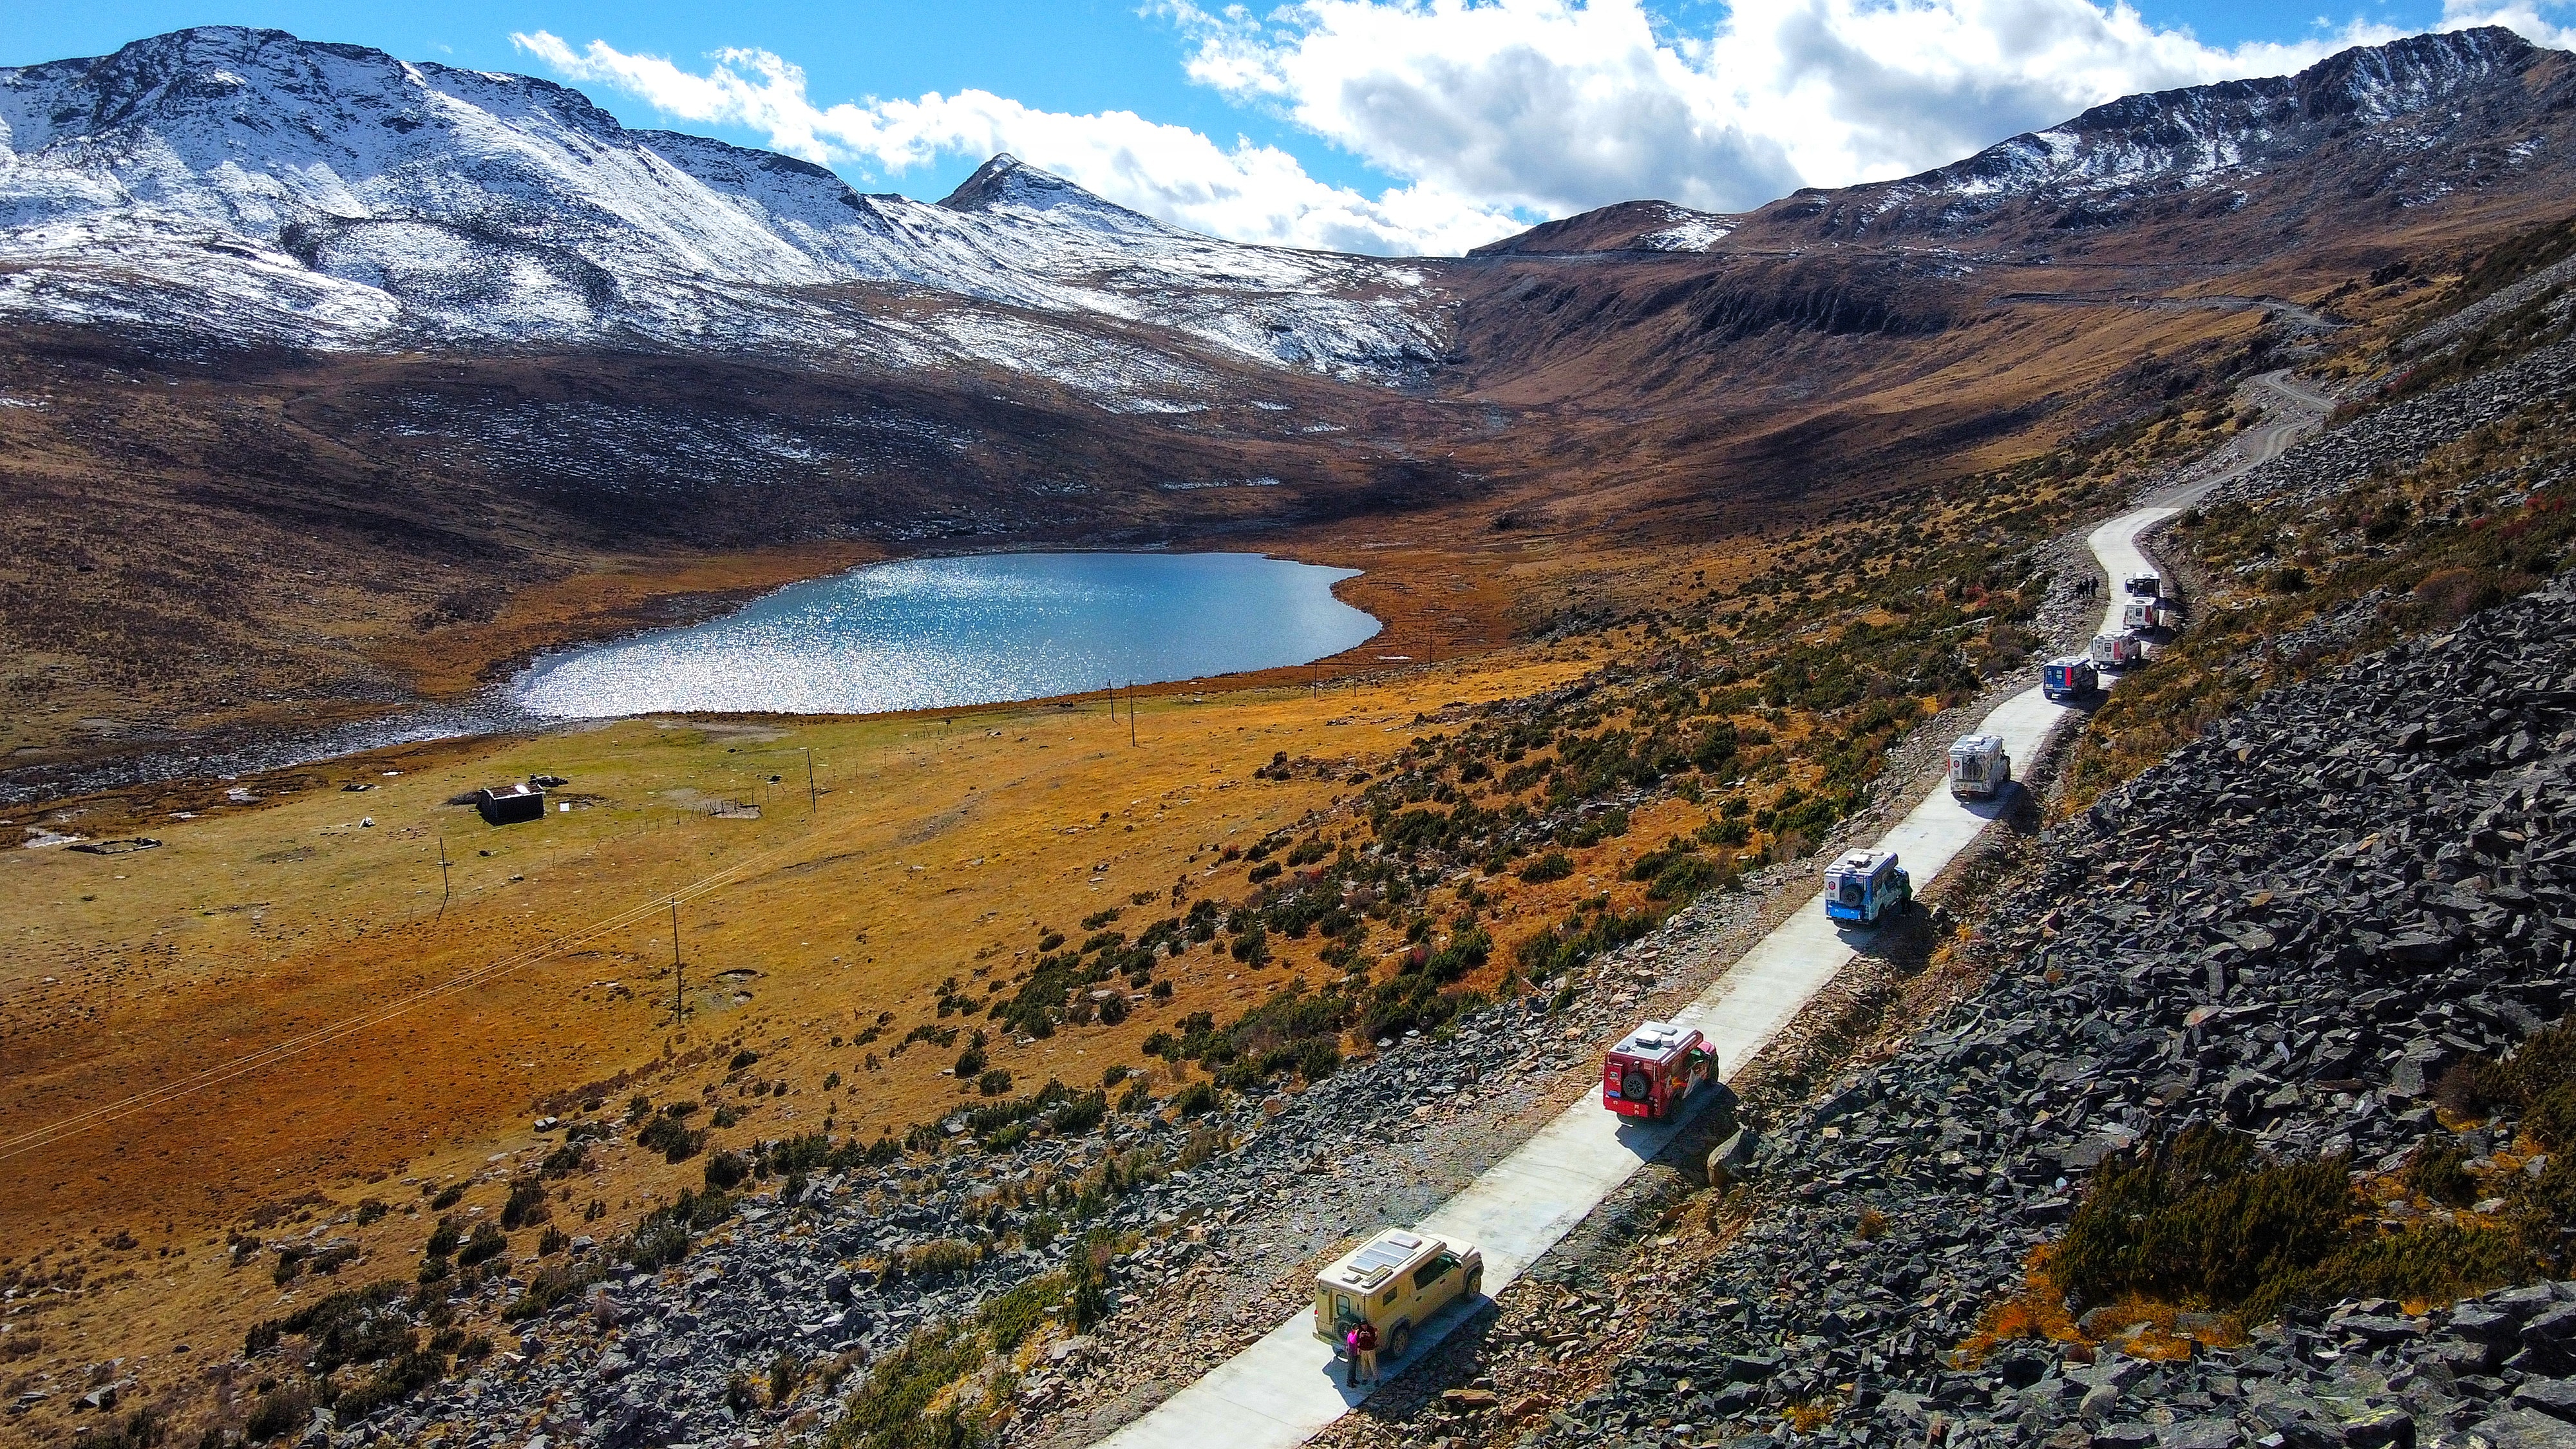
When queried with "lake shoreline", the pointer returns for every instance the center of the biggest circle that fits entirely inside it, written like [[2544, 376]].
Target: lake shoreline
[[177, 770]]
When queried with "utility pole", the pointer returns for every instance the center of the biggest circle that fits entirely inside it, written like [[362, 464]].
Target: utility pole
[[443, 888], [1131, 714], [810, 795], [679, 974]]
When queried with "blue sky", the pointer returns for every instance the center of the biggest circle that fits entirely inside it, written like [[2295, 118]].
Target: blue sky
[[1388, 125]]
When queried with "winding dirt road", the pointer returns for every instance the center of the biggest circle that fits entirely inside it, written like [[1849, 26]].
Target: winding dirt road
[[1283, 1389]]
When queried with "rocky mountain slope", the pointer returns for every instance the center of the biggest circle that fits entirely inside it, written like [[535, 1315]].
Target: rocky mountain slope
[[2291, 930], [2257, 1083], [247, 186]]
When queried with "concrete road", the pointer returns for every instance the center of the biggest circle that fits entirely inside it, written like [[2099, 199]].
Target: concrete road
[[2292, 409], [1283, 1389]]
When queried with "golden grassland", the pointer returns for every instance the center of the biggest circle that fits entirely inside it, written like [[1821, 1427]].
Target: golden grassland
[[937, 848]]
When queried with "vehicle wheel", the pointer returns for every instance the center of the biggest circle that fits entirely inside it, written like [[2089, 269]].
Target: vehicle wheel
[[1476, 1283], [1399, 1340]]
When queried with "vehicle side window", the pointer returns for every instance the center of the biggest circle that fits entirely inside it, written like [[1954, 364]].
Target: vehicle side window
[[1430, 1273], [1386, 1299]]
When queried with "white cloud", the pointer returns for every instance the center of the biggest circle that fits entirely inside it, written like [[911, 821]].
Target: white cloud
[[2522, 15], [1248, 192], [1493, 113], [1559, 105]]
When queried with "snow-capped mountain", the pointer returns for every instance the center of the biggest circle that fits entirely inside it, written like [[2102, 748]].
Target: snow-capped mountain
[[2410, 121], [248, 185]]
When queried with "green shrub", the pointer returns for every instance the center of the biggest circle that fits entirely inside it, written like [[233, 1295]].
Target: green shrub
[[1653, 862], [994, 1083], [1082, 1115], [675, 1142], [1683, 879], [726, 1171], [1009, 1319], [2436, 1171], [487, 1242], [554, 1283], [1195, 1100], [892, 1409], [657, 1243], [405, 1375], [2201, 1219], [1555, 865], [2544, 1064], [1088, 1303], [527, 1204], [143, 1429], [1576, 940], [786, 1375], [939, 1258], [1041, 1229], [2426, 1262], [1729, 832], [1317, 1060], [1252, 948], [281, 1410], [661, 1237]]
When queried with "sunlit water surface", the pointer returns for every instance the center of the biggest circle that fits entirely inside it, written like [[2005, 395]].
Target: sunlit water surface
[[930, 633]]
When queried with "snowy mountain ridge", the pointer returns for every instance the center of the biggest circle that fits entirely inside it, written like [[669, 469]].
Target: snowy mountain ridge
[[2443, 96], [258, 187]]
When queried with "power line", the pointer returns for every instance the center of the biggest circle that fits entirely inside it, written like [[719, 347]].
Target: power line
[[319, 1036]]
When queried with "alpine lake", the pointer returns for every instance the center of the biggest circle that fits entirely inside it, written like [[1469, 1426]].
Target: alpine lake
[[980, 629]]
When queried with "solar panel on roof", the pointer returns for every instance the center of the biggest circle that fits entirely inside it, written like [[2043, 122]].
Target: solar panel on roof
[[1380, 1255]]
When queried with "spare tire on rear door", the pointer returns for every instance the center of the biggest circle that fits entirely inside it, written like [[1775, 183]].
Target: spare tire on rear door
[[1635, 1084]]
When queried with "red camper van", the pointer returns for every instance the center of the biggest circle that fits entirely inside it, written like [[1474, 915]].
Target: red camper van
[[1655, 1068]]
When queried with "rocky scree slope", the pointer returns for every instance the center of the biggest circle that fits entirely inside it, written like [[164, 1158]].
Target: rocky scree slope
[[2292, 928], [2402, 432], [2392, 126], [647, 1356], [249, 186]]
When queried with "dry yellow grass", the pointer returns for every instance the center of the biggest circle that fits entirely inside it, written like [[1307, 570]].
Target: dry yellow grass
[[938, 849]]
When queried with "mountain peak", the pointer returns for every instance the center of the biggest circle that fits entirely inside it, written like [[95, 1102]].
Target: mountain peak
[[1008, 183]]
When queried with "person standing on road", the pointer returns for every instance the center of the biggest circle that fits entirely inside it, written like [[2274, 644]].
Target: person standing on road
[[1364, 1352]]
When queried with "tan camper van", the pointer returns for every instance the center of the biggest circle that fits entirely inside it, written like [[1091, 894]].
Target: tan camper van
[[1396, 1280]]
